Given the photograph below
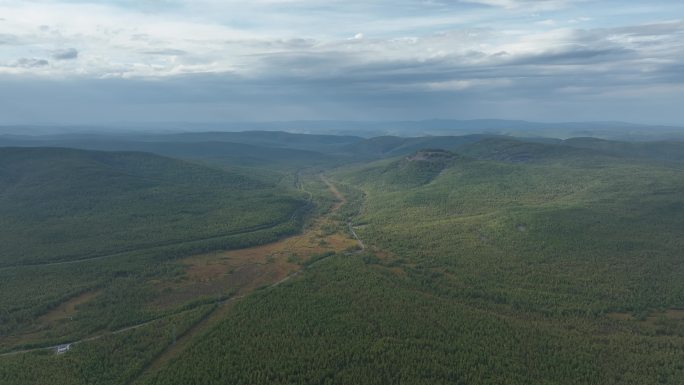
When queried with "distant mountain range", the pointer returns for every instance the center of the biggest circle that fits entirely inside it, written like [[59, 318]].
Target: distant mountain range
[[519, 128]]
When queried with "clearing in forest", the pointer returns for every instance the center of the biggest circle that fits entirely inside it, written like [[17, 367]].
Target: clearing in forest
[[69, 308], [241, 271]]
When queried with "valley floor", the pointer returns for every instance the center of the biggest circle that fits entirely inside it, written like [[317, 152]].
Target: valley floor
[[435, 268], [226, 276]]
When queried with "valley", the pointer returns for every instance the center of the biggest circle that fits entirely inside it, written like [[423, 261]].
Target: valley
[[225, 276], [475, 260], [306, 192]]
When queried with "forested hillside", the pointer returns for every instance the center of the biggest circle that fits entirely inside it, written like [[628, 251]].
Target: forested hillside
[[62, 204], [535, 263], [89, 239], [474, 260], [519, 232]]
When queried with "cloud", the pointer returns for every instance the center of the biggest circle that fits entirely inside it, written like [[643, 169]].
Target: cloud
[[65, 54], [534, 5], [30, 63], [227, 97], [9, 39], [166, 52], [383, 56], [652, 29], [574, 55]]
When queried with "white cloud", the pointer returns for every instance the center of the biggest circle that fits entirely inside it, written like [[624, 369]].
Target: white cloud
[[508, 46], [120, 41], [531, 5], [547, 23]]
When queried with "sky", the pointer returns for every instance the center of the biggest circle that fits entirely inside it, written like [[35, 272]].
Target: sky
[[103, 62]]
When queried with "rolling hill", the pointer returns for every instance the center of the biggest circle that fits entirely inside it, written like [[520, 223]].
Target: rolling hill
[[64, 204], [245, 149], [97, 232], [481, 260], [661, 151], [518, 263]]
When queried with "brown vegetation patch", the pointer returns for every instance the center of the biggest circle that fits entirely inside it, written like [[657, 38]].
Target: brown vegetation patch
[[241, 271], [398, 271], [336, 193], [669, 314], [22, 339], [225, 273], [69, 308], [383, 255], [53, 321], [620, 316]]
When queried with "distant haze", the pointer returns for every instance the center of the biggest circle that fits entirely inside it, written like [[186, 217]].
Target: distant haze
[[102, 62], [434, 127]]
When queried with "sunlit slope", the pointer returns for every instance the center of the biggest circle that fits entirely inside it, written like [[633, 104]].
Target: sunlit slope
[[62, 204]]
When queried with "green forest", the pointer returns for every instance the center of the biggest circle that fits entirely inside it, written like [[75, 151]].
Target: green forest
[[64, 204], [481, 259]]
